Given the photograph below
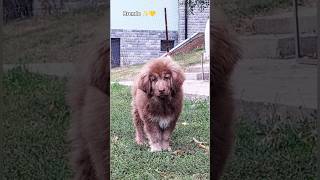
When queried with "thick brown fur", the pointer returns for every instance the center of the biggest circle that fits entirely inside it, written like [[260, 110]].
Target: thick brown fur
[[224, 55], [88, 99], [157, 102]]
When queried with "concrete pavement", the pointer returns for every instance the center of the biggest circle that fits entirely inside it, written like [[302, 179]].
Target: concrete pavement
[[190, 87], [276, 81]]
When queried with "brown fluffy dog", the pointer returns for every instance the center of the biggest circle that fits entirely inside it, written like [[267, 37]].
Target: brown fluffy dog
[[157, 102], [224, 55], [89, 101]]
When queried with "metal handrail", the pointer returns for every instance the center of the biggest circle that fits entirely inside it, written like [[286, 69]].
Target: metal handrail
[[297, 31]]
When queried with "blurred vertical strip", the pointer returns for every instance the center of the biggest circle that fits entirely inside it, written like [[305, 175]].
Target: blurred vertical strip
[[318, 90], [1, 91]]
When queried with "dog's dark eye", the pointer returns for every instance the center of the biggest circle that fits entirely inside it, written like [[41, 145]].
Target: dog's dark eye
[[153, 78], [167, 77]]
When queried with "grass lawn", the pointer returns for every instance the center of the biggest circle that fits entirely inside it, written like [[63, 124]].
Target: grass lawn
[[129, 72], [53, 38], [130, 161], [35, 120], [277, 149]]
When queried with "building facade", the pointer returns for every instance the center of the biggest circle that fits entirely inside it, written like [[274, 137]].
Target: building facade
[[191, 22], [138, 30]]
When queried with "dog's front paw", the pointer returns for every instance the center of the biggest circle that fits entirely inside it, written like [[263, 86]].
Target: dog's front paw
[[140, 143], [155, 147], [140, 140], [166, 146], [168, 149]]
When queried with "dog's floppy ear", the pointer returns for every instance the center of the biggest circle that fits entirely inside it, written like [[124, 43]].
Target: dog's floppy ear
[[145, 84], [177, 79], [177, 74]]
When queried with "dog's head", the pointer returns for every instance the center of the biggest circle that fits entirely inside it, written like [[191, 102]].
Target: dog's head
[[161, 78]]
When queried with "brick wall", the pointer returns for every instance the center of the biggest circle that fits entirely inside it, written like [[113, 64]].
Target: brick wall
[[181, 21], [196, 21], [139, 46], [193, 43]]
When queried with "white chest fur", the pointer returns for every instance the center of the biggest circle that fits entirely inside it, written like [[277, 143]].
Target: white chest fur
[[163, 121]]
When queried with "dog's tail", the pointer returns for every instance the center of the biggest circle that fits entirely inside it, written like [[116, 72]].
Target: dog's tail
[[224, 55]]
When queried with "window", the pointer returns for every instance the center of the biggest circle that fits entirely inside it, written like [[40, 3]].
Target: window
[[167, 44]]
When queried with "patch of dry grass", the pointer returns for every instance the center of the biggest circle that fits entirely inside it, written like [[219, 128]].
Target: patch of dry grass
[[129, 72], [53, 38]]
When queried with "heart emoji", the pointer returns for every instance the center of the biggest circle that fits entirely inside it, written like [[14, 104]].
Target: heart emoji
[[152, 13]]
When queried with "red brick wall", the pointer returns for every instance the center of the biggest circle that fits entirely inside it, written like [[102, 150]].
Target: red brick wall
[[193, 43]]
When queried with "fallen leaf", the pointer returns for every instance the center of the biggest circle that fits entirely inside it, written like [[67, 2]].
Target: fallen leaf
[[198, 142], [178, 152], [161, 173], [114, 139], [201, 144], [203, 147], [185, 123]]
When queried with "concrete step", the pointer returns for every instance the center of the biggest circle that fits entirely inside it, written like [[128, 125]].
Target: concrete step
[[277, 46], [284, 23], [198, 68], [288, 82], [309, 61], [196, 75]]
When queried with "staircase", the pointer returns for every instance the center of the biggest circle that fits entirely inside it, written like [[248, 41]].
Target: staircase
[[195, 72], [274, 36]]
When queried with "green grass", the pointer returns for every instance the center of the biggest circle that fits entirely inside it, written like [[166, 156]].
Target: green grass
[[35, 119], [277, 149], [130, 161], [53, 38], [129, 72]]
